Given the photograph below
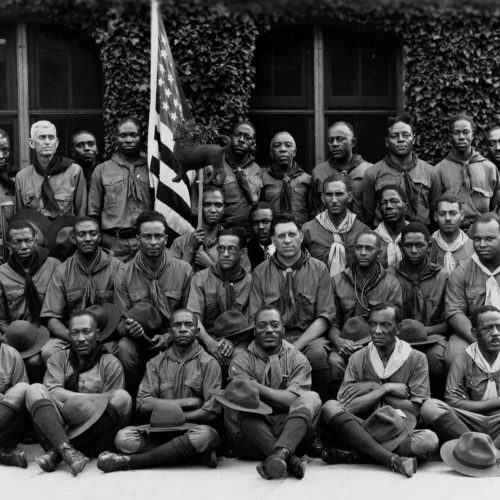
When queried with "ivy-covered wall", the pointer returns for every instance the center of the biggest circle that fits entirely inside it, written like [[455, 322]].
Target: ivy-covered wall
[[450, 49]]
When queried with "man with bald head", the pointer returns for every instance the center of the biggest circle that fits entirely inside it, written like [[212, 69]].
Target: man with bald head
[[341, 143], [52, 185], [284, 184]]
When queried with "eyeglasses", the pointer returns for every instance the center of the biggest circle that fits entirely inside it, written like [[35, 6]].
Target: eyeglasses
[[86, 331], [231, 249], [150, 237], [17, 243]]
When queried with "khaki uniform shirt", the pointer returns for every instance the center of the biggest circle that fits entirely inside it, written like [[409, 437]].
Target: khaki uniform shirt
[[170, 377], [207, 296], [12, 370], [69, 188], [12, 298], [108, 196], [65, 290], [313, 294]]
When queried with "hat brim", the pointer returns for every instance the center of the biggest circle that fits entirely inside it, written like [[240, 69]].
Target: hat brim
[[262, 409], [410, 423], [59, 223], [431, 339], [363, 341], [222, 335], [449, 459], [114, 315], [148, 429], [42, 337], [101, 402]]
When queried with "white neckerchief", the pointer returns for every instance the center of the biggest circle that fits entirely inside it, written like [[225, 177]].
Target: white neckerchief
[[268, 250], [402, 351], [492, 288], [476, 355], [449, 262], [336, 257], [393, 251]]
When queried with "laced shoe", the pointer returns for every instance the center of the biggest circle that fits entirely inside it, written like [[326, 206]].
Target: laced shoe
[[74, 458], [108, 461], [15, 457], [297, 466], [49, 460], [404, 465]]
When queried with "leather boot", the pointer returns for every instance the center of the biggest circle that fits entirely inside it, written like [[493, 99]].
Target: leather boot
[[49, 460], [209, 459], [74, 458], [15, 457], [297, 466], [404, 465], [108, 461], [275, 465], [339, 456]]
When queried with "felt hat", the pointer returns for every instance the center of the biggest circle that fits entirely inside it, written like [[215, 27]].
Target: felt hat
[[27, 338], [59, 237], [413, 332], [39, 222], [231, 323], [148, 317], [108, 316], [356, 329], [167, 417], [472, 454], [81, 412], [390, 426], [242, 394]]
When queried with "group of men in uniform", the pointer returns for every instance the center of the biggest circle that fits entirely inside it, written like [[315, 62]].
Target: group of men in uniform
[[307, 314]]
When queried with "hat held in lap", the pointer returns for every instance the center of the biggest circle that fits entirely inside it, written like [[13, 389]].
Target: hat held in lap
[[242, 394], [26, 338]]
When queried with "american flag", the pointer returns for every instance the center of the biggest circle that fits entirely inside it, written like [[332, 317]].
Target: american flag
[[167, 107]]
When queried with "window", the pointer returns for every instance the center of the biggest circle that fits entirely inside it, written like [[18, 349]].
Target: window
[[49, 73], [307, 78]]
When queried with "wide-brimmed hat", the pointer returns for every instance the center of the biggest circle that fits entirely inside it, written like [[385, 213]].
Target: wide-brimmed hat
[[231, 323], [108, 316], [27, 338], [413, 332], [472, 454], [58, 238], [148, 317], [242, 394], [81, 412], [356, 329], [390, 426], [39, 222], [168, 417]]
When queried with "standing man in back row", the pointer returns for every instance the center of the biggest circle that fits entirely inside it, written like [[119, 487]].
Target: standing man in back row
[[52, 185], [119, 191], [401, 166], [342, 160]]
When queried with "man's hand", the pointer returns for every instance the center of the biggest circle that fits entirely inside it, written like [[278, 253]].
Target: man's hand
[[355, 390], [160, 343], [133, 328], [346, 347], [226, 348], [202, 259], [397, 389], [213, 349], [197, 239]]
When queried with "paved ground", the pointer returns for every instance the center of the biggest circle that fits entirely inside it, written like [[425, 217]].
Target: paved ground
[[238, 480]]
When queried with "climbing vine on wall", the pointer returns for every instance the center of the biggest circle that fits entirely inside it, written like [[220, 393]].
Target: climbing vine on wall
[[450, 52]]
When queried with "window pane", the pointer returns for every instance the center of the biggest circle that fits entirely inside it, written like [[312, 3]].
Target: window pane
[[343, 63], [51, 75], [375, 62], [300, 126], [283, 62], [86, 78], [8, 69]]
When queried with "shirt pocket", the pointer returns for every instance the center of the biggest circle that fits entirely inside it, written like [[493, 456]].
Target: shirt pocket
[[167, 390], [64, 202], [15, 300], [114, 190], [138, 295], [74, 296], [272, 299], [305, 307], [29, 199], [92, 386], [475, 297], [173, 299], [193, 381]]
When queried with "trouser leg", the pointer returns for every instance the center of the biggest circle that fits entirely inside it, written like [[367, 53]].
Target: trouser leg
[[440, 418]]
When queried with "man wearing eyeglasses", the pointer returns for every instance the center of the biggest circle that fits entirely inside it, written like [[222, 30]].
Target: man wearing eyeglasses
[[223, 287], [466, 173], [24, 281], [119, 190], [401, 166], [71, 395], [155, 277], [83, 280], [472, 389]]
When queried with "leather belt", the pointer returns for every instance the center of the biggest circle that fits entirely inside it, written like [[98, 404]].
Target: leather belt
[[124, 233]]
